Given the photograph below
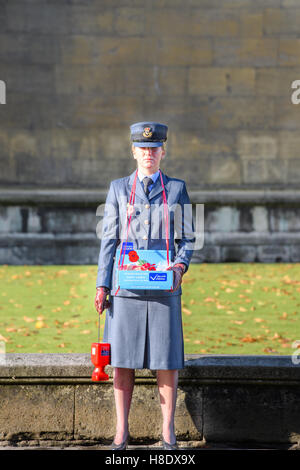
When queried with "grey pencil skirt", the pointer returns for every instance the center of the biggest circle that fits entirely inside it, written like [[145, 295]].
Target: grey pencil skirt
[[145, 334]]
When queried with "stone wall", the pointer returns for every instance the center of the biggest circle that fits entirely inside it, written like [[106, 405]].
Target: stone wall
[[59, 226], [79, 72], [241, 399]]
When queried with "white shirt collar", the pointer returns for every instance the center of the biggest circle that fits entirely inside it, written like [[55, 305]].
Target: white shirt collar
[[154, 176]]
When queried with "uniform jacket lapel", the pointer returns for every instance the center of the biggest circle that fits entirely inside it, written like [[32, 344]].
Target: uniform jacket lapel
[[157, 188], [139, 190]]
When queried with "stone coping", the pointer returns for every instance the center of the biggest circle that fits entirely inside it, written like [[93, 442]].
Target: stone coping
[[93, 197], [230, 238], [16, 366]]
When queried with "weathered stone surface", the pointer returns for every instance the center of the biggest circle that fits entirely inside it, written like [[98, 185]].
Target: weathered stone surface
[[46, 225], [242, 254], [223, 398], [224, 219], [273, 254], [257, 415], [78, 73], [36, 411], [95, 412]]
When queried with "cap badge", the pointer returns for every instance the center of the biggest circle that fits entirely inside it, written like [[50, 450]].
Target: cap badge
[[147, 132]]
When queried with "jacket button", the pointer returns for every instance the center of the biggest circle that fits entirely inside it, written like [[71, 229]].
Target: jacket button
[[147, 206], [145, 237]]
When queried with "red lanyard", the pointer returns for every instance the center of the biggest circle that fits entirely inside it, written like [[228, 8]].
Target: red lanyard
[[128, 220], [166, 216]]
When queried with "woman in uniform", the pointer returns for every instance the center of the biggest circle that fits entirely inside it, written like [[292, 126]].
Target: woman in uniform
[[144, 327]]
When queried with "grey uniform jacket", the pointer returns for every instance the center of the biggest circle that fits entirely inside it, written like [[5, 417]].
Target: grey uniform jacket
[[147, 228]]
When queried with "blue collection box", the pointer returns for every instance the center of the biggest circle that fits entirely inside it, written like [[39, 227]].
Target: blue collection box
[[144, 269]]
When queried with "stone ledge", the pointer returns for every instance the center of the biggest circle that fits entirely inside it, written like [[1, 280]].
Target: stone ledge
[[91, 197], [70, 366], [211, 238], [221, 398]]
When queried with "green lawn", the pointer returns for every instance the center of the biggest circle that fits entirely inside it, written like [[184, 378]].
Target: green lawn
[[236, 308]]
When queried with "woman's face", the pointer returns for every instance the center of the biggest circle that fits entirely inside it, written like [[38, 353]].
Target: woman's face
[[148, 158]]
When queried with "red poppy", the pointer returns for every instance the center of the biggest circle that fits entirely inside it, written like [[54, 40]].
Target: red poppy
[[148, 267], [145, 266], [133, 256]]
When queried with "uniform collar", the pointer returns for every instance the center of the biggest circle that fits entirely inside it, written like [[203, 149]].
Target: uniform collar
[[154, 176], [156, 189]]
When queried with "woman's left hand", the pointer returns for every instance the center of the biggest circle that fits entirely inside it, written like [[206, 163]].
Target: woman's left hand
[[178, 270]]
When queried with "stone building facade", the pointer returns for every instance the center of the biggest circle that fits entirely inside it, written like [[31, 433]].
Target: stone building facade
[[220, 74]]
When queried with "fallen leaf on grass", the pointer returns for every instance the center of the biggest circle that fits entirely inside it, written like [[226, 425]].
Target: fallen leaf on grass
[[276, 336], [40, 324], [248, 339], [186, 311], [2, 338], [85, 332], [61, 272], [269, 350], [28, 320], [283, 316]]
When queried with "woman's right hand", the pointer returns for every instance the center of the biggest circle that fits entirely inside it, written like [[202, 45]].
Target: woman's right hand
[[101, 303]]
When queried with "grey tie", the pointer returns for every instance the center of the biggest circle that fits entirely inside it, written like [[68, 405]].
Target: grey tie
[[147, 182]]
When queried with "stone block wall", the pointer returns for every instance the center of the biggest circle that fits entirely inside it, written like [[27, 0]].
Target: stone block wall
[[59, 226], [248, 399], [79, 72]]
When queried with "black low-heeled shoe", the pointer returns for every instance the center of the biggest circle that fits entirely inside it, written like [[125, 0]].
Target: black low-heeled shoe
[[122, 446], [167, 445]]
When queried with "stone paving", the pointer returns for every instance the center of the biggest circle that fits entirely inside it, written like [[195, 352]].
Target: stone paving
[[188, 446]]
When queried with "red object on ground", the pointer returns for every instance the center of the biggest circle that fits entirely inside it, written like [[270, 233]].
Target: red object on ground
[[100, 355]]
